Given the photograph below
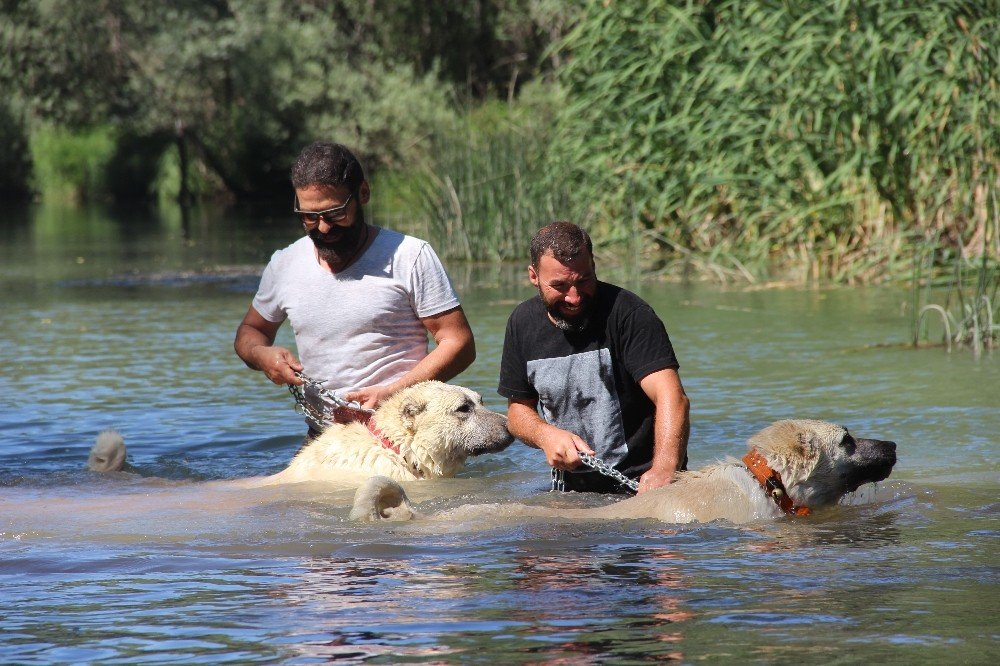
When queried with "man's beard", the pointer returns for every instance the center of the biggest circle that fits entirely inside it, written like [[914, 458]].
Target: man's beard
[[576, 324], [345, 247]]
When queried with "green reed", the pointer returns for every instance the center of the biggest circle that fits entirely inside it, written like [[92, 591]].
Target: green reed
[[739, 140], [970, 312], [812, 139], [482, 190]]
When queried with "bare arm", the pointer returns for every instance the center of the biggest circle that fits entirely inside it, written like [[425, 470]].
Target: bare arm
[[671, 427], [560, 446], [454, 351], [255, 345]]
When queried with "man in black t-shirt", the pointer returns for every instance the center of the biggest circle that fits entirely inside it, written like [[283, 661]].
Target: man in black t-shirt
[[587, 366]]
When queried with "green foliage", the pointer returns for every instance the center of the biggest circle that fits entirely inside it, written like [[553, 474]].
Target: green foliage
[[750, 132], [482, 188], [200, 182], [72, 165], [65, 58], [970, 314], [241, 85], [486, 48]]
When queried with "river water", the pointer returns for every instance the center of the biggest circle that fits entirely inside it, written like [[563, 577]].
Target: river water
[[125, 319]]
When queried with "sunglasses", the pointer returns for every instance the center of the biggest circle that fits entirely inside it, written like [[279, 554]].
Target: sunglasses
[[310, 219]]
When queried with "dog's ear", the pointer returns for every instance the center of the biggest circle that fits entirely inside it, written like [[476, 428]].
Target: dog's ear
[[805, 446], [411, 409], [809, 446], [804, 454]]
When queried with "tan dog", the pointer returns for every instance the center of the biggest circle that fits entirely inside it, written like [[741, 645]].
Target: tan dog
[[425, 431], [791, 468]]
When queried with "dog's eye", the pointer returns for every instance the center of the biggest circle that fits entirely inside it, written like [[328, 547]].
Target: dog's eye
[[464, 408]]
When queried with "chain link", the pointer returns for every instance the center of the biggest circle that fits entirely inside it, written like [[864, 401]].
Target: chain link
[[598, 465], [317, 419], [558, 480], [604, 468]]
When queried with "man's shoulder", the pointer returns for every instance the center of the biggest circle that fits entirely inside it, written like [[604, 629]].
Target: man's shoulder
[[526, 309], [293, 252], [296, 246], [621, 304], [399, 244], [393, 236], [619, 297], [401, 238]]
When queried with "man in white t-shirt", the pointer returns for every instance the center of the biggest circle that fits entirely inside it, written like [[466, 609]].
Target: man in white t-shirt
[[361, 299]]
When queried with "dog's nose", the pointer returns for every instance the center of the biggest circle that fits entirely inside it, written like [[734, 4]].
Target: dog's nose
[[890, 450], [882, 444]]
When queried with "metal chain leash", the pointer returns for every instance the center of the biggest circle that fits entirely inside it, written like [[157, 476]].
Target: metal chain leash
[[558, 480], [316, 418], [604, 468], [595, 463]]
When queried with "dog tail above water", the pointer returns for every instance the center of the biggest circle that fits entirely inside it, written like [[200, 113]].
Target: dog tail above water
[[108, 452], [381, 498]]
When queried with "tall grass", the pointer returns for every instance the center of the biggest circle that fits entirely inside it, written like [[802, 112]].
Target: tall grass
[[970, 313], [483, 190], [69, 166], [818, 138]]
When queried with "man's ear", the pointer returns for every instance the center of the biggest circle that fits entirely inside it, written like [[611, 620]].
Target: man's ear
[[364, 193], [532, 275]]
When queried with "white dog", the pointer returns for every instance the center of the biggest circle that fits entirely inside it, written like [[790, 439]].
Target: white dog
[[791, 468], [425, 431]]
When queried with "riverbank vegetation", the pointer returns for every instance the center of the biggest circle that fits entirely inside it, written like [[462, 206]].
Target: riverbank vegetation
[[968, 315], [739, 140]]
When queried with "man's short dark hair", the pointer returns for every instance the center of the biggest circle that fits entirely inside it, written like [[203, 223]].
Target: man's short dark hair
[[326, 163], [563, 239]]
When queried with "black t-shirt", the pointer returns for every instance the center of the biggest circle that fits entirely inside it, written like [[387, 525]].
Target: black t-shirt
[[588, 382]]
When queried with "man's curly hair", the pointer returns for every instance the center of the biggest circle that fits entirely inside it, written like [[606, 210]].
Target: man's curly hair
[[326, 163]]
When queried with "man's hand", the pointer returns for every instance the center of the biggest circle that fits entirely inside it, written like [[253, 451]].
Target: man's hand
[[561, 449], [369, 397], [279, 364], [654, 478], [254, 344]]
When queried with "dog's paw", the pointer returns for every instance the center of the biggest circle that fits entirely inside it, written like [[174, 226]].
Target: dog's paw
[[381, 498]]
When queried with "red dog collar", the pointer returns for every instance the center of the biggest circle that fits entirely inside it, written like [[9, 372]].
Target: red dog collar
[[380, 436]]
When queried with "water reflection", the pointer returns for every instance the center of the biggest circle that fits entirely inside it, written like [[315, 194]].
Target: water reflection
[[548, 605]]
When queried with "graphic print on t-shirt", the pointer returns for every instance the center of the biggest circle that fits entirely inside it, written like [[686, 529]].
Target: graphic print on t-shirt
[[577, 390]]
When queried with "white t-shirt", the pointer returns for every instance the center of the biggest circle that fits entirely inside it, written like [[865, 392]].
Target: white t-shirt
[[359, 327]]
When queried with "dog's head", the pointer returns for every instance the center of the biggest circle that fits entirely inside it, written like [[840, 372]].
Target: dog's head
[[820, 462], [438, 426]]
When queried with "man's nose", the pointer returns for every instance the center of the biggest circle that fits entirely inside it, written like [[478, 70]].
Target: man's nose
[[572, 296], [325, 226]]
